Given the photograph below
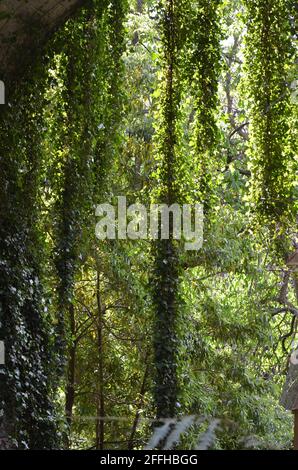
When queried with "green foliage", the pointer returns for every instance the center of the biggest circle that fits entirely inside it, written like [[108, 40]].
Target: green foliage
[[268, 59], [202, 70], [147, 99], [190, 55], [27, 383]]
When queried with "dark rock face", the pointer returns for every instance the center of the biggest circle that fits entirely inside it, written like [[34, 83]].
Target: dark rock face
[[25, 27]]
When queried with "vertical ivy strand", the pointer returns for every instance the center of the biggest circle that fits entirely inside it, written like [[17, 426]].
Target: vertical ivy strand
[[268, 56]]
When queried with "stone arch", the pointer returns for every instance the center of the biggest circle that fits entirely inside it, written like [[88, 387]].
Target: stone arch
[[25, 27]]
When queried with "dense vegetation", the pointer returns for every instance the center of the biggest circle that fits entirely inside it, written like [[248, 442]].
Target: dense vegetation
[[170, 101]]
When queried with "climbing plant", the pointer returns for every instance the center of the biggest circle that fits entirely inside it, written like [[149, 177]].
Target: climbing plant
[[92, 101], [166, 274], [268, 58]]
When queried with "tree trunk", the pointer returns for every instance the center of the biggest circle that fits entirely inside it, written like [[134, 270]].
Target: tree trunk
[[295, 429], [139, 8], [5, 442], [100, 396]]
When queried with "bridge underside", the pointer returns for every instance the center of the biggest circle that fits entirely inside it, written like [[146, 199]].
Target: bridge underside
[[25, 27]]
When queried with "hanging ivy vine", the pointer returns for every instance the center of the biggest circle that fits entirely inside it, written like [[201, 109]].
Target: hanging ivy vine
[[27, 383], [190, 56], [74, 204], [168, 174], [92, 76], [203, 69], [268, 50]]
